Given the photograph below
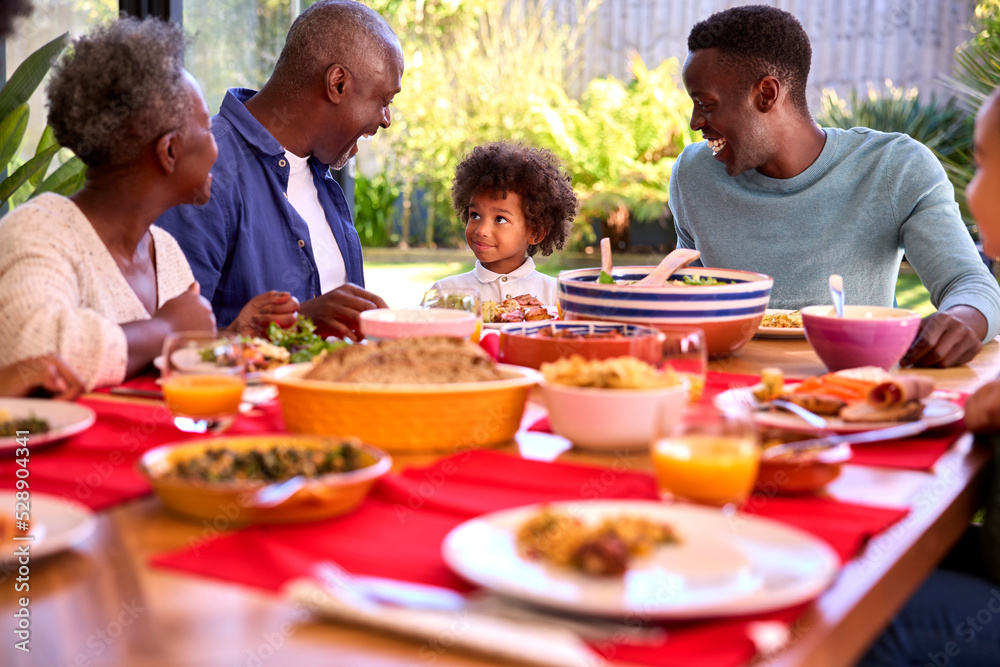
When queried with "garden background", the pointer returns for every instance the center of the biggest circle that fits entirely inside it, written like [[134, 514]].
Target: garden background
[[595, 81]]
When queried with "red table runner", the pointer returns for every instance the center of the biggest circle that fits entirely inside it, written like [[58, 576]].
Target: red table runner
[[398, 532]]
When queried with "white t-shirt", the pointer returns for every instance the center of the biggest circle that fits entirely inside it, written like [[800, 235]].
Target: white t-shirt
[[498, 286], [305, 200]]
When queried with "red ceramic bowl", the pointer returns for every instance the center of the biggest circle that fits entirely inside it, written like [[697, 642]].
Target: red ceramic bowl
[[532, 344]]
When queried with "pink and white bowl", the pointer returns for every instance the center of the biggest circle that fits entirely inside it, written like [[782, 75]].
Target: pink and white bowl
[[865, 336], [729, 312], [385, 323]]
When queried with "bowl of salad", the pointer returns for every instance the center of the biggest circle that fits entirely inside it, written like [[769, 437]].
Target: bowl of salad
[[727, 304]]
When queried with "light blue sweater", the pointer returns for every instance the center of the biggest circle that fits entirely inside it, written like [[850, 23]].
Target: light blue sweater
[[868, 197]]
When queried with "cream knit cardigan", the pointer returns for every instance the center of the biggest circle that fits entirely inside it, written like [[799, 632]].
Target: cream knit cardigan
[[61, 291]]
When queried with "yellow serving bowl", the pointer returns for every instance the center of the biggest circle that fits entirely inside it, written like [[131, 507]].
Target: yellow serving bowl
[[227, 504], [406, 417]]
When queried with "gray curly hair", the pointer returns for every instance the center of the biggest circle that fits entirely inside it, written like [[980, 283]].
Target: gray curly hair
[[120, 88], [334, 31]]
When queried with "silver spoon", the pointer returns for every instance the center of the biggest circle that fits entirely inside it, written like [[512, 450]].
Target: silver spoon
[[837, 293]]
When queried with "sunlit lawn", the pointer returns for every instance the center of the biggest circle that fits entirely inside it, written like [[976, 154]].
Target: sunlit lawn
[[403, 285]]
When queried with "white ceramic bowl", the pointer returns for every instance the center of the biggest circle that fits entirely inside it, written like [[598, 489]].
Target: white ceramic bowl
[[612, 419], [412, 322], [729, 312]]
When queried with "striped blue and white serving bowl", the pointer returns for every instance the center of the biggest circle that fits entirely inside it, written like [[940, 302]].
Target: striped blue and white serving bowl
[[729, 312]]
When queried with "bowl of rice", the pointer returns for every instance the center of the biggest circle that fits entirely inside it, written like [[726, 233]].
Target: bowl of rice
[[610, 404]]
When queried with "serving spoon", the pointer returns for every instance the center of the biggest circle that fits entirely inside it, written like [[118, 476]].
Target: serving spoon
[[676, 259], [837, 293]]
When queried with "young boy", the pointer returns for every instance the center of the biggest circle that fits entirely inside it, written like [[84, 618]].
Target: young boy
[[514, 200]]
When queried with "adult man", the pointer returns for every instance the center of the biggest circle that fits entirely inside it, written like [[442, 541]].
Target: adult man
[[277, 220], [771, 191]]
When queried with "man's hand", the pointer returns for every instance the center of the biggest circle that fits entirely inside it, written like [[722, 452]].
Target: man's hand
[[336, 313], [273, 306], [49, 374], [982, 410], [947, 338]]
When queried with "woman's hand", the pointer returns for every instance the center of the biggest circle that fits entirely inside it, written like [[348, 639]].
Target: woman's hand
[[49, 374], [273, 306]]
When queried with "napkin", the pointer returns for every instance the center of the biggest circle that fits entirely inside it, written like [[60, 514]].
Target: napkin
[[498, 638], [397, 533]]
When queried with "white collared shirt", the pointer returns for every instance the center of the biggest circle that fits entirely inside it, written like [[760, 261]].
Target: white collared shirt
[[498, 286], [305, 200]]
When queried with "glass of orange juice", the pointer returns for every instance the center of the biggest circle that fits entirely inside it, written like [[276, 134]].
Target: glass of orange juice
[[457, 299], [203, 378], [709, 456], [683, 349]]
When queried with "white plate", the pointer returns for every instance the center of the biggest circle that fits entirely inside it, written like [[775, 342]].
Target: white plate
[[724, 565], [56, 523], [937, 412], [778, 332], [160, 363], [65, 419], [553, 311]]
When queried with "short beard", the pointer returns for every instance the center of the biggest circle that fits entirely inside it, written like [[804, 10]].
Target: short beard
[[754, 148]]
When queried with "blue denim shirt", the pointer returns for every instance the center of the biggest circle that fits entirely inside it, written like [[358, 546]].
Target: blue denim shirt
[[248, 238]]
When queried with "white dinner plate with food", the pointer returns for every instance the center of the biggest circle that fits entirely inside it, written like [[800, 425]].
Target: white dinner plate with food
[[775, 324], [554, 312], [195, 365], [937, 412], [55, 523], [62, 418], [722, 565]]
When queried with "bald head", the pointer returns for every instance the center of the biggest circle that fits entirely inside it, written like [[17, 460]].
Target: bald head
[[334, 31]]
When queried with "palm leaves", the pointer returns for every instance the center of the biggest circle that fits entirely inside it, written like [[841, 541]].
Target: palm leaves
[[14, 114]]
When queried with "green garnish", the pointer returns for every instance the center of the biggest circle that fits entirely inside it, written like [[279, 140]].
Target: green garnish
[[301, 340], [700, 280], [605, 278]]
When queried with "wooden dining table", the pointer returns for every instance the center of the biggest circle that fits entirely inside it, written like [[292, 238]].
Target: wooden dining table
[[101, 603]]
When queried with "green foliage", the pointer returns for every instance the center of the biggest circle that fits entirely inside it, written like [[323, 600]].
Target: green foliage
[[374, 202], [621, 139], [475, 70], [29, 179], [945, 127]]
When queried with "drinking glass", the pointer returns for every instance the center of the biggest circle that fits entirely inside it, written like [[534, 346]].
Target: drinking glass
[[683, 349], [709, 455], [457, 299], [204, 375]]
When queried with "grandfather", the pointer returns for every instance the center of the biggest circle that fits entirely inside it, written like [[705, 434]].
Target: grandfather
[[770, 191], [277, 220]]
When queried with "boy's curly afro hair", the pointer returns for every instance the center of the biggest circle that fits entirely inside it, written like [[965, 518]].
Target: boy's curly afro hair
[[535, 174]]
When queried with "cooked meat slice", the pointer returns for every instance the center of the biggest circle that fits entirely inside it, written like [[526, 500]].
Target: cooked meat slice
[[821, 405], [862, 412]]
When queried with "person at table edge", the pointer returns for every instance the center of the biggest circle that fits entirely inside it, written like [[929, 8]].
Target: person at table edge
[[277, 220], [771, 191]]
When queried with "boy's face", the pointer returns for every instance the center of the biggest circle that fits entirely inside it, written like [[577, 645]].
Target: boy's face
[[983, 191], [497, 231]]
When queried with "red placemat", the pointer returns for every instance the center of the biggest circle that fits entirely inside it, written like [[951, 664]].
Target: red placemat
[[398, 533], [97, 467]]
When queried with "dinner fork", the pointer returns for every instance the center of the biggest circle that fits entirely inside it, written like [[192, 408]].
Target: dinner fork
[[370, 592], [744, 396]]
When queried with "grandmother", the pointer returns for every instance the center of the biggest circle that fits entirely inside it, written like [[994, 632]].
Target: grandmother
[[89, 277]]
